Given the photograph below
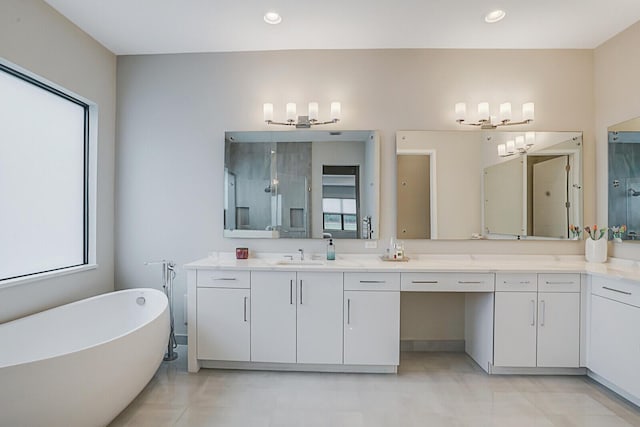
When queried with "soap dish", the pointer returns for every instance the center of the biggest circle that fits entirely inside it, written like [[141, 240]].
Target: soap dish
[[404, 259]]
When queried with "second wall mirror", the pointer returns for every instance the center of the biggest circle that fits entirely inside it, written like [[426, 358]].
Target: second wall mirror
[[493, 184]]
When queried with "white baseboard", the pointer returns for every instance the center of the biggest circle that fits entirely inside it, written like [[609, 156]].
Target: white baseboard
[[501, 370], [617, 390], [257, 366]]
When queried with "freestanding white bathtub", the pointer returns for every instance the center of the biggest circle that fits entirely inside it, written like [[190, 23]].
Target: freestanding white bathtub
[[82, 363]]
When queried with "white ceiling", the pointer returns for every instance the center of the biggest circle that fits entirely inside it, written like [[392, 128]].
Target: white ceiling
[[172, 26]]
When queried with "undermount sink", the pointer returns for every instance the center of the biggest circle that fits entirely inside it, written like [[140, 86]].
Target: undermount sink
[[299, 262]]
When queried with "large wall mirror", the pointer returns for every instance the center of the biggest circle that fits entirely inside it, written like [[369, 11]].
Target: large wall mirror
[[624, 178], [488, 185], [302, 184]]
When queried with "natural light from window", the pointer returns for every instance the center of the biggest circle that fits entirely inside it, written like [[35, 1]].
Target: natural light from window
[[43, 177]]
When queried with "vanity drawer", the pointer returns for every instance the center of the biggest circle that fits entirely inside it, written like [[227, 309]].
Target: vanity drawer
[[371, 281], [559, 282], [624, 291], [223, 279], [447, 282], [516, 282]]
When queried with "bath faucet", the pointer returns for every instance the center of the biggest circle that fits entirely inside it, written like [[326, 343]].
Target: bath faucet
[[301, 254]]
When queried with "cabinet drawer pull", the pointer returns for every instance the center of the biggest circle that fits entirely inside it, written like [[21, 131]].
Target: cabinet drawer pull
[[524, 282], [225, 278], [616, 290], [560, 283], [424, 281], [245, 308], [542, 316], [533, 312], [348, 311], [373, 281], [291, 292], [468, 282]]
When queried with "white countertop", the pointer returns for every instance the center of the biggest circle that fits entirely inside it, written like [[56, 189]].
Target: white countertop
[[618, 268]]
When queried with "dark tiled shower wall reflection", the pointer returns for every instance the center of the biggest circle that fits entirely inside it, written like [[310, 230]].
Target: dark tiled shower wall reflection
[[624, 182]]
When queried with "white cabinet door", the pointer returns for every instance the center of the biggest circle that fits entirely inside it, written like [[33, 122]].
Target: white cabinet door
[[273, 316], [614, 347], [558, 329], [223, 324], [371, 328], [319, 332], [515, 329]]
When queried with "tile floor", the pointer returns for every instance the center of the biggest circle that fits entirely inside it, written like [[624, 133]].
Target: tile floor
[[430, 389]]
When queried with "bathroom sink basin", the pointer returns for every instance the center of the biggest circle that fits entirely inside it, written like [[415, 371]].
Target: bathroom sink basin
[[299, 262]]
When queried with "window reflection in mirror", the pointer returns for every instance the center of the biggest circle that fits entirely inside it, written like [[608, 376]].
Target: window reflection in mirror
[[624, 179], [301, 184], [340, 201]]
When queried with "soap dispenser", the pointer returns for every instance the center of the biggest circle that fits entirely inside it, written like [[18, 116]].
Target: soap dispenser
[[331, 251]]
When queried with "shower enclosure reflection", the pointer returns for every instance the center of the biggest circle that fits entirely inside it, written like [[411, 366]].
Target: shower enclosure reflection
[[624, 178]]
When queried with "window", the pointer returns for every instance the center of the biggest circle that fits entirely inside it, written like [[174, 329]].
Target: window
[[340, 189], [44, 179], [339, 214]]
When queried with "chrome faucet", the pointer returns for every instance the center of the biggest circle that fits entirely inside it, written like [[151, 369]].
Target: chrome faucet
[[301, 254]]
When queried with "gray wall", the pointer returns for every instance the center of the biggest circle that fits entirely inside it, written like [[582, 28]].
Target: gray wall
[[173, 111], [37, 38]]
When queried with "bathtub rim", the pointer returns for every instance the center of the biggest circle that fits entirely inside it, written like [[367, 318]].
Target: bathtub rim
[[95, 344]]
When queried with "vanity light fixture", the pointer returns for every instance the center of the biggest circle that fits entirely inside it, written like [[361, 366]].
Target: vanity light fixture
[[520, 145], [272, 18], [494, 16], [302, 122], [486, 120]]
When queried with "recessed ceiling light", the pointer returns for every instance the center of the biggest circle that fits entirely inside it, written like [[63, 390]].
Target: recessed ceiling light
[[272, 18], [493, 16]]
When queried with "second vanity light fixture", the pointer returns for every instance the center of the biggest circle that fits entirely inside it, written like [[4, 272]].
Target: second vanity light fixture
[[485, 120], [303, 121], [520, 145]]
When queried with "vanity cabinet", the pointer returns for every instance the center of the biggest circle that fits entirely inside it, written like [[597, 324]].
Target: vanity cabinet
[[614, 345], [273, 315], [319, 331], [537, 320], [223, 324], [296, 317], [372, 318]]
